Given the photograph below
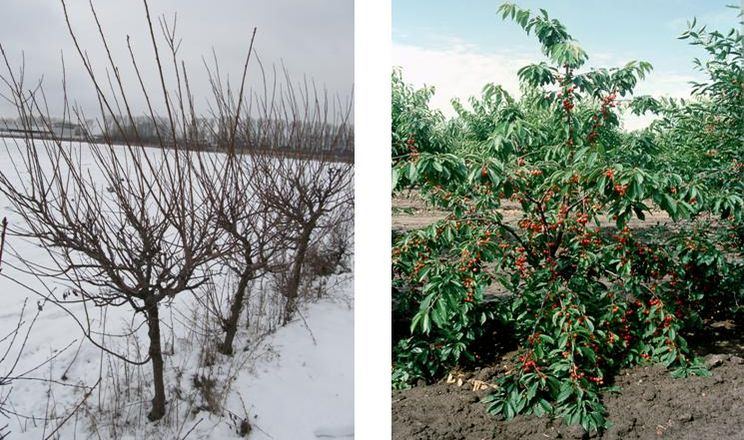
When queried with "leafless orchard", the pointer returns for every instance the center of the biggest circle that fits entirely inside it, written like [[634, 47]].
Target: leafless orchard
[[250, 190]]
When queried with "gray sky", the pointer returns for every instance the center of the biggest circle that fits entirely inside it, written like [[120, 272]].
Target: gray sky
[[312, 38]]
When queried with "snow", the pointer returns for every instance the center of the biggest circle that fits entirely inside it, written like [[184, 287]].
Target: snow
[[296, 383], [312, 381]]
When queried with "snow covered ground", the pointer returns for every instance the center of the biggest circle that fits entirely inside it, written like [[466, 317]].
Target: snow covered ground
[[306, 392], [296, 383]]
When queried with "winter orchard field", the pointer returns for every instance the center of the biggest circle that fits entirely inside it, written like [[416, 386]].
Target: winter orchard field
[[292, 380], [555, 275], [200, 289]]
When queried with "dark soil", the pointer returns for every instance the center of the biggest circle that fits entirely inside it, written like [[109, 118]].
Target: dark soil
[[650, 405]]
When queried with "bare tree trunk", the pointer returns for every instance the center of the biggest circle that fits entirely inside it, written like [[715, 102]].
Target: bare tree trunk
[[231, 325], [321, 289], [293, 286], [156, 356]]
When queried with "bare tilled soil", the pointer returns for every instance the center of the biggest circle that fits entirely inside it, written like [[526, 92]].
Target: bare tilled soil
[[650, 405], [411, 212]]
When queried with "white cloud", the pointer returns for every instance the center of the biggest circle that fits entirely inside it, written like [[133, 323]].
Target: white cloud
[[632, 122], [460, 70], [457, 71], [669, 84], [659, 84]]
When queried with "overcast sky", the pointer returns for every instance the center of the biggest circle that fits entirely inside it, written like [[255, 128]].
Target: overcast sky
[[312, 38], [458, 47]]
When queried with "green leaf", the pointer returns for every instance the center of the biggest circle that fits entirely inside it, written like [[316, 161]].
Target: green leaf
[[509, 411], [566, 392], [412, 172]]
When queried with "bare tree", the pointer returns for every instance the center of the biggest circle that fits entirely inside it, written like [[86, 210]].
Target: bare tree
[[253, 231], [263, 213], [312, 192], [249, 228], [312, 196], [136, 228]]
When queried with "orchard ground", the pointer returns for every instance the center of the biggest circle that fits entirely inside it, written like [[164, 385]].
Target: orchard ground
[[649, 405]]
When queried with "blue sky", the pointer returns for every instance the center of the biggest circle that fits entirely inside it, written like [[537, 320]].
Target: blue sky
[[458, 46]]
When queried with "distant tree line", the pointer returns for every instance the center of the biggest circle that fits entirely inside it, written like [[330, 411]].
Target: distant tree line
[[251, 135]]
